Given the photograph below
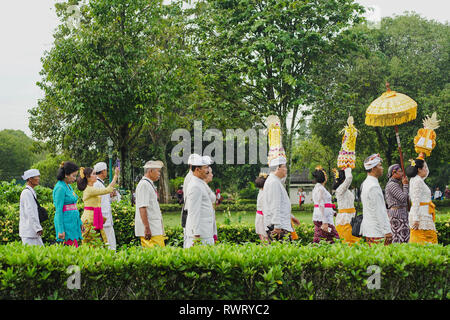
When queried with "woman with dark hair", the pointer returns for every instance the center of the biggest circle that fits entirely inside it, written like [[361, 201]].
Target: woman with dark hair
[[92, 217], [346, 205], [68, 225], [396, 194], [422, 213], [323, 209], [259, 219]]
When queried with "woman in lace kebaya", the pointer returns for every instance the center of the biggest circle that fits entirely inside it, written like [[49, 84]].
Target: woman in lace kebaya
[[422, 213], [323, 209], [346, 206]]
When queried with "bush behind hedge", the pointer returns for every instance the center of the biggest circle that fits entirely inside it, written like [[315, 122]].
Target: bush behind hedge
[[225, 271]]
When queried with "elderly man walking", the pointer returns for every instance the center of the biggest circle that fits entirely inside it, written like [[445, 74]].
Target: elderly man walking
[[30, 229], [375, 226], [148, 219], [276, 202], [100, 169], [200, 222]]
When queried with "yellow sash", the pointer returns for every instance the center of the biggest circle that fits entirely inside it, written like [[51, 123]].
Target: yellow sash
[[349, 210], [431, 208]]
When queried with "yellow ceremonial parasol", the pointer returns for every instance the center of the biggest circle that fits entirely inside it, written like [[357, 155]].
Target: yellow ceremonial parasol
[[391, 109]]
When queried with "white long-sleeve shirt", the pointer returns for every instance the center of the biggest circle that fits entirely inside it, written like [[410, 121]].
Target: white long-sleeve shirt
[[106, 204], [320, 197], [375, 221], [186, 182], [29, 224], [345, 199], [201, 219], [276, 204], [419, 192]]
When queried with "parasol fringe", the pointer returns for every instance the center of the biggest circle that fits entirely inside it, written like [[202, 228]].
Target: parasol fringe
[[393, 120]]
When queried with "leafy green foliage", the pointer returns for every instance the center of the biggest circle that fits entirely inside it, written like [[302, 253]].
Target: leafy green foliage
[[226, 271]]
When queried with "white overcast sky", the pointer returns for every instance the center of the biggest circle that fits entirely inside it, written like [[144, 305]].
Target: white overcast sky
[[26, 28]]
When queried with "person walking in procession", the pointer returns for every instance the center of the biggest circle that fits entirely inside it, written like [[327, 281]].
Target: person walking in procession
[[30, 229], [323, 213], [93, 219], [346, 205], [259, 218], [375, 225], [277, 204], [200, 222], [422, 213], [148, 221], [101, 170], [396, 193], [68, 224]]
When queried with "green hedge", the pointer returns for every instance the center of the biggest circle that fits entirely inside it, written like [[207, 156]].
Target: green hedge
[[124, 228], [250, 271]]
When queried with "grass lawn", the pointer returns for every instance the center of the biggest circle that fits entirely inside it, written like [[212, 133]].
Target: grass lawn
[[173, 219]]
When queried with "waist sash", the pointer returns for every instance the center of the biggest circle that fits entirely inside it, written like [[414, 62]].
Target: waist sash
[[327, 205], [431, 208], [98, 217], [69, 207], [349, 210]]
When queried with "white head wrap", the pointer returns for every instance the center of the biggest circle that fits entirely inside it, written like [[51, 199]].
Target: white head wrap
[[277, 161]]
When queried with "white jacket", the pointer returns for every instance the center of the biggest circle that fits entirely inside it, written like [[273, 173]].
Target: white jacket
[[420, 193], [29, 223], [276, 204], [201, 219], [375, 221]]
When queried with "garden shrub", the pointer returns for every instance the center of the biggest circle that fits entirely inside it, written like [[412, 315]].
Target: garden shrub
[[226, 271]]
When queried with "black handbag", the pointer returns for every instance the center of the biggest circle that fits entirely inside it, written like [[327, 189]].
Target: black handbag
[[184, 214], [42, 212], [356, 225]]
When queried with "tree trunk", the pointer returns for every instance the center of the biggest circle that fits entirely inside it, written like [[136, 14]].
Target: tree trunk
[[164, 179], [125, 170]]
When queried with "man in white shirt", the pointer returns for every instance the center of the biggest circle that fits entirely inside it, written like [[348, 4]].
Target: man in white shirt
[[437, 194], [200, 219], [276, 202], [30, 229], [101, 171], [375, 225], [148, 222]]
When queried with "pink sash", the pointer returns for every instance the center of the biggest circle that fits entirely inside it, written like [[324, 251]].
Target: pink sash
[[98, 217], [70, 207], [259, 212], [327, 205]]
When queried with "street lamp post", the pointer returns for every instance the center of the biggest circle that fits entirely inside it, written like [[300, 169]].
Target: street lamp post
[[110, 149]]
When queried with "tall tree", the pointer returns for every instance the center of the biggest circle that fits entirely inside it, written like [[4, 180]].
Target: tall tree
[[96, 74], [409, 52], [259, 55]]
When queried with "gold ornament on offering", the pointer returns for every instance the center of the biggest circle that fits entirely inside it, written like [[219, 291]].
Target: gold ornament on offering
[[347, 156], [274, 132], [425, 140]]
